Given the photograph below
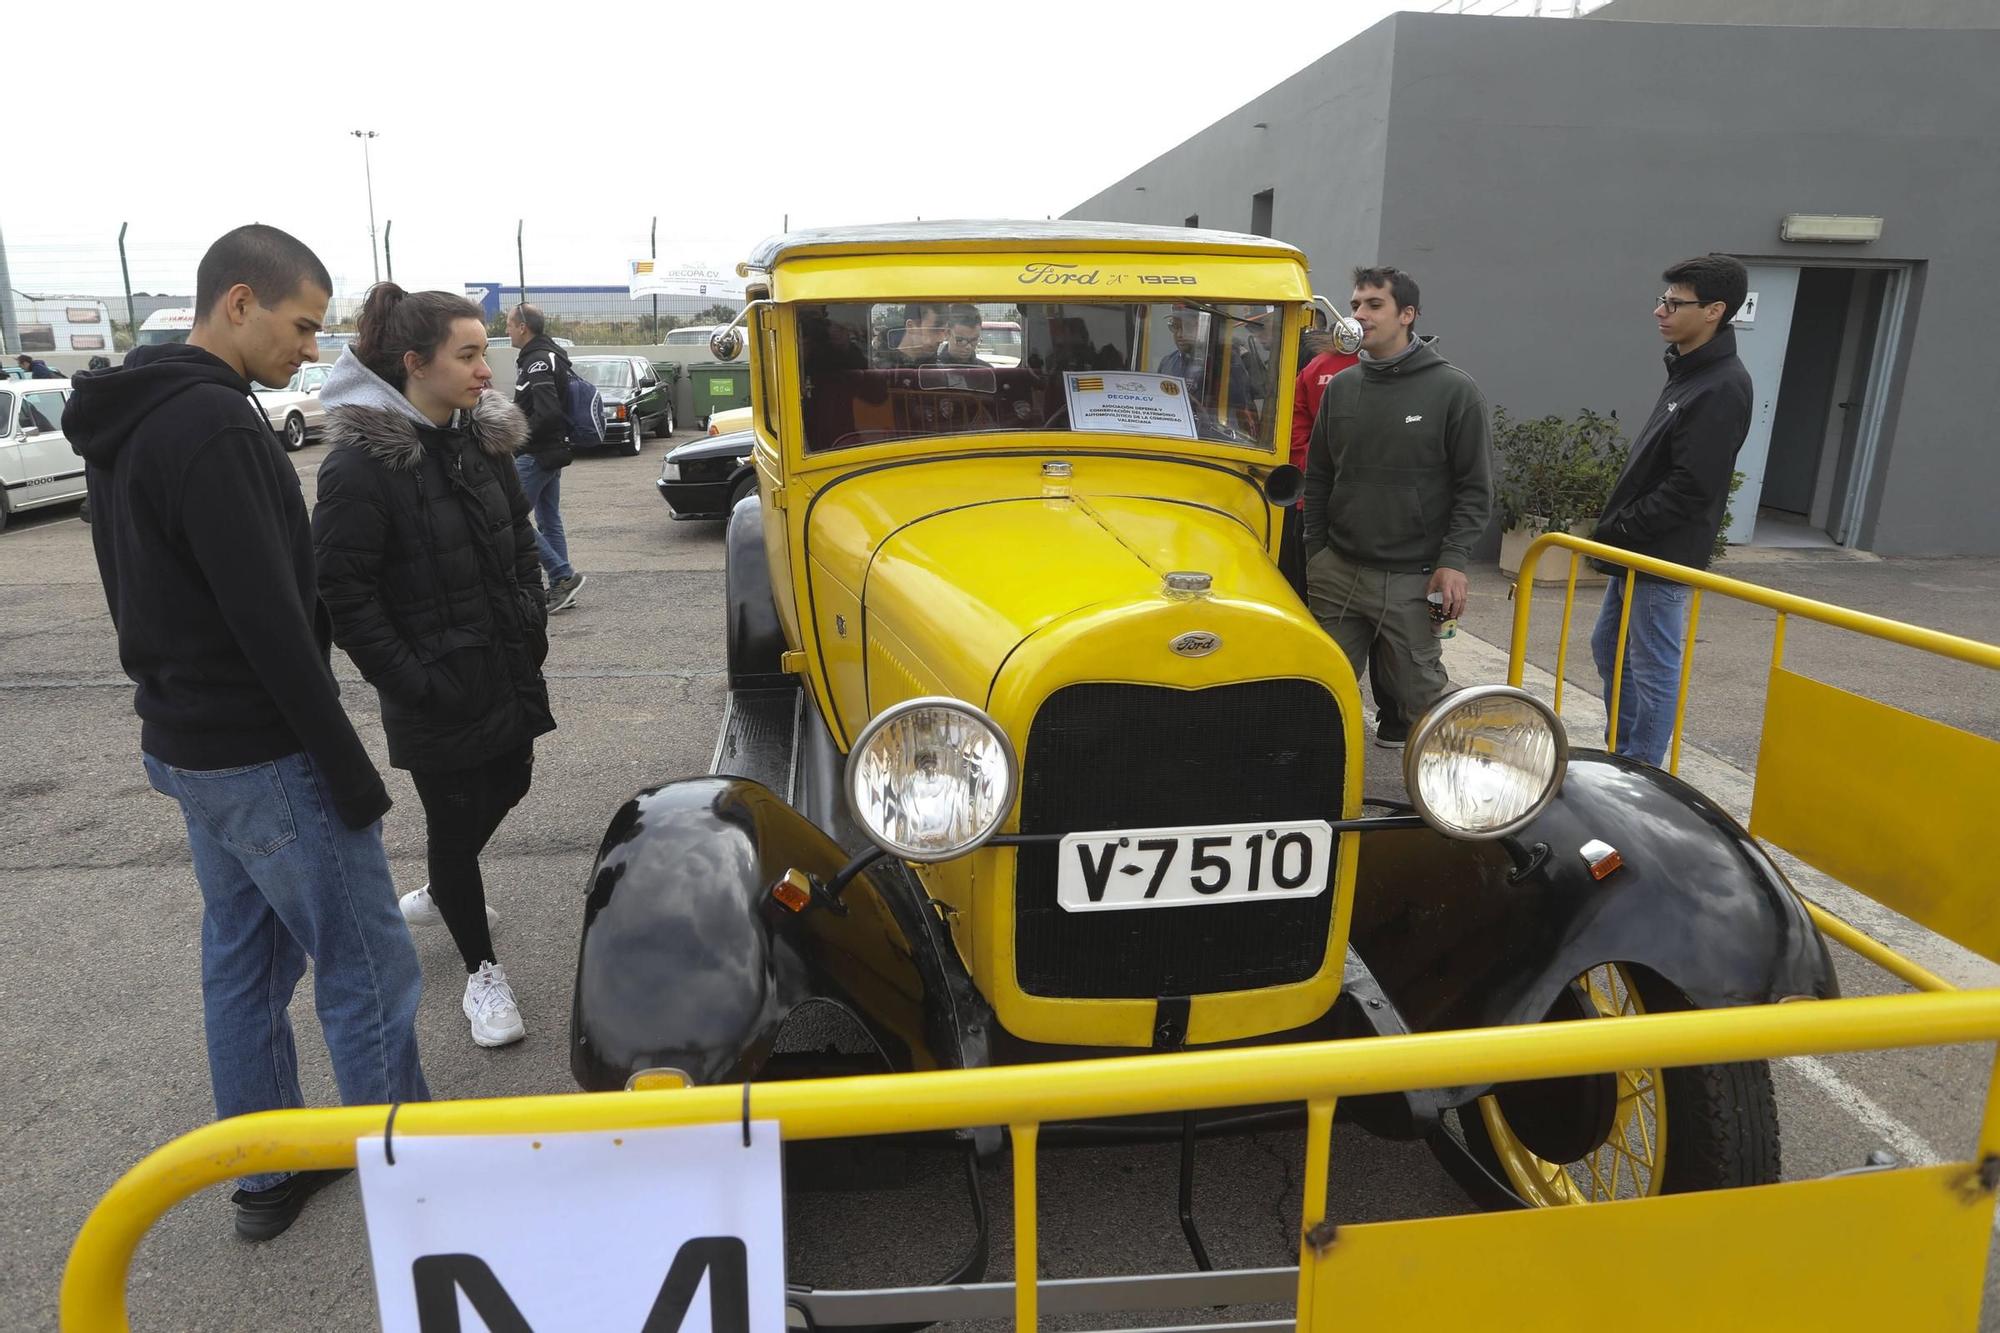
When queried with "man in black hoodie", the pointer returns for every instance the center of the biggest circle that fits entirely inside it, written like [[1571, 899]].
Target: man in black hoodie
[[206, 556], [1669, 501], [541, 379]]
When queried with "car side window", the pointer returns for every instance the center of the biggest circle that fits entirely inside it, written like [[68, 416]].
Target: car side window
[[42, 411], [6, 414]]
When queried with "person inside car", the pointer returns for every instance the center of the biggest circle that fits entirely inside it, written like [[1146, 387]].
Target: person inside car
[[961, 344]]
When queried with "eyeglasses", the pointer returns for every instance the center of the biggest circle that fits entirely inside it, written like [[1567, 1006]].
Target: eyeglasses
[[1672, 304]]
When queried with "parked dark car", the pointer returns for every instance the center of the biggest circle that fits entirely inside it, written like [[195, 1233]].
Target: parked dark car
[[705, 478], [636, 399]]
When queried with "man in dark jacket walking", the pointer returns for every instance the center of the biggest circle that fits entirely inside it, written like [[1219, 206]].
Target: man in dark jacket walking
[[1670, 499], [541, 377], [202, 543], [36, 368], [1398, 488]]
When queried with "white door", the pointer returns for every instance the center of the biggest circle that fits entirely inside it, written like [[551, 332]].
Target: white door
[[1763, 328], [53, 470]]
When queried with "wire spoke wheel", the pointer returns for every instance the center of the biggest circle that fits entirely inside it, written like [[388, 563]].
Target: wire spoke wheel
[[1630, 1134], [1626, 1162]]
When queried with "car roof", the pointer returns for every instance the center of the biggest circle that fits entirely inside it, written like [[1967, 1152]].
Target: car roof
[[1062, 234]]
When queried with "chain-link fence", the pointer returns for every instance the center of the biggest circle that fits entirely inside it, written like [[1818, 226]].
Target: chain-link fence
[[82, 294]]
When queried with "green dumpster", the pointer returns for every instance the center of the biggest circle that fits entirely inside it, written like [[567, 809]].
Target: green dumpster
[[716, 386]]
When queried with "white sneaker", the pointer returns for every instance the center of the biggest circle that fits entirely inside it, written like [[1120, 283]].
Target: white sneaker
[[489, 1003], [419, 910]]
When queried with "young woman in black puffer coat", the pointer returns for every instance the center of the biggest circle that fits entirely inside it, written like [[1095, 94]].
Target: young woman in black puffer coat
[[427, 564]]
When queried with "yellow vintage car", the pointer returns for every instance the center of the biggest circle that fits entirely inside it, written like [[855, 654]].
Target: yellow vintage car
[[1031, 751]]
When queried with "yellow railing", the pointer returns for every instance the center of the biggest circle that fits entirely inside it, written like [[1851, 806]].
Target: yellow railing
[[1810, 798], [1317, 1074]]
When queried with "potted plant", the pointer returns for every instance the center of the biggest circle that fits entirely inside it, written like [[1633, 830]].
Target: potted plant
[[1553, 475]]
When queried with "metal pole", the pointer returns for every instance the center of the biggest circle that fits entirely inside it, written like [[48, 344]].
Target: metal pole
[[388, 255], [521, 258], [131, 315], [369, 172], [656, 299], [10, 338]]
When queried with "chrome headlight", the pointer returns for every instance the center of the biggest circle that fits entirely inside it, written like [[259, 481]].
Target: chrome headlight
[[1484, 761], [671, 472], [931, 779]]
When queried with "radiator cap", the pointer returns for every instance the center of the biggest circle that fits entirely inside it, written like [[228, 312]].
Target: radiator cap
[[1184, 583]]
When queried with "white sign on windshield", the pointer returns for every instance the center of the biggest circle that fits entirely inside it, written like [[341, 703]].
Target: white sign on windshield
[[668, 1229], [1127, 402]]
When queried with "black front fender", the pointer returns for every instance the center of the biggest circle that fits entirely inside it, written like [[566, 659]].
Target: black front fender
[[686, 962], [1458, 937]]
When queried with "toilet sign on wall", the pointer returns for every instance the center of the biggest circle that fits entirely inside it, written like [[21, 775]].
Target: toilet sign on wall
[[1747, 312], [648, 1230]]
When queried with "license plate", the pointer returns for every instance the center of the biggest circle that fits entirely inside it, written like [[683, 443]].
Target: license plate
[[1177, 867]]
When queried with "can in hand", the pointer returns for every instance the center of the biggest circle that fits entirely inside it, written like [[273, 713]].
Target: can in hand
[[1441, 627]]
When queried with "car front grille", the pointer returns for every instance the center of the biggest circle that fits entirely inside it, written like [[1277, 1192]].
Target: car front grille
[[1105, 756]]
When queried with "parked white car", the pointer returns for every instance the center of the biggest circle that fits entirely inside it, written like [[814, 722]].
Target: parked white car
[[37, 466], [295, 411]]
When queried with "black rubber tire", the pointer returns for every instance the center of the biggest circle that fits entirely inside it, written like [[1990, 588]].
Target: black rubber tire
[[295, 433], [1722, 1120], [742, 489], [4, 513], [636, 442]]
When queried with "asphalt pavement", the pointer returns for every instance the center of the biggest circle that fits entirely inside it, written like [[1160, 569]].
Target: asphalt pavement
[[102, 1054]]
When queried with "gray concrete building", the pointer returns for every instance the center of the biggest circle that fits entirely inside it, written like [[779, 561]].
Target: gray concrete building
[[1536, 175]]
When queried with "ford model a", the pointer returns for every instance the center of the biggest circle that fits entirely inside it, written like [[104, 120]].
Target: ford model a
[[1030, 748]]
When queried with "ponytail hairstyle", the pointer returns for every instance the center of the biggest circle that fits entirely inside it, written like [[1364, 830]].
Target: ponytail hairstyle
[[394, 322]]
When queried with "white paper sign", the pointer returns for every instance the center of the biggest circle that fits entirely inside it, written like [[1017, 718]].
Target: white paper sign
[[1128, 402], [1747, 312], [647, 1229]]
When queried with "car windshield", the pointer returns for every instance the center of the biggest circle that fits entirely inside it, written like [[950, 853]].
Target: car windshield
[[876, 371], [606, 374]]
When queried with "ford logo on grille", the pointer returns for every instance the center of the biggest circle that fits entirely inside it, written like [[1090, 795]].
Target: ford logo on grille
[[1196, 643]]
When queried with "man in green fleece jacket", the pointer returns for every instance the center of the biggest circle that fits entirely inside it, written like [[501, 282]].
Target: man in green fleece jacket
[[1398, 488]]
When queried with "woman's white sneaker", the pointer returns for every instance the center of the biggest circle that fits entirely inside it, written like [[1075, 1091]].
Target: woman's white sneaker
[[489, 1003], [419, 910]]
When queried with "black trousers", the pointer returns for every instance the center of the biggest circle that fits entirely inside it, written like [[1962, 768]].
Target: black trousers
[[462, 808], [1292, 564]]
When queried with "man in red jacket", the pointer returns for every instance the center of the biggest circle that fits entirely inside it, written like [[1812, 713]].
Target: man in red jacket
[[1318, 373]]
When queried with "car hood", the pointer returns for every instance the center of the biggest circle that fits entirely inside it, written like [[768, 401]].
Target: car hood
[[958, 564], [736, 444]]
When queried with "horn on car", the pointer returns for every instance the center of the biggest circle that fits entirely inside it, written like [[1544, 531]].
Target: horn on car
[[1284, 484]]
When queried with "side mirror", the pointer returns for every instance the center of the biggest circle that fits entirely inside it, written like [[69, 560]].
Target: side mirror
[[725, 345], [1346, 332]]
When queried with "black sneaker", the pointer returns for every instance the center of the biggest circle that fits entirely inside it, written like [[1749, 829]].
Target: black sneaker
[[562, 596], [1391, 733], [262, 1215]]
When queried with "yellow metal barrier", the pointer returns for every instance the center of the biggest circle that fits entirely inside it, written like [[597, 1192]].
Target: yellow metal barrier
[[1810, 797], [1899, 1249]]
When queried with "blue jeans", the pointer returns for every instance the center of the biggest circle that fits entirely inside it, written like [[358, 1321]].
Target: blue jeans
[[1652, 663], [282, 880], [544, 489]]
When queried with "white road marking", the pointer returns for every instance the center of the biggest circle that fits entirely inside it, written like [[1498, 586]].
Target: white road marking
[[1913, 1148]]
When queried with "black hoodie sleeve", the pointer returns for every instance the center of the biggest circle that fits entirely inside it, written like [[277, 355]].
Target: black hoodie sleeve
[[237, 536], [1701, 461], [350, 525]]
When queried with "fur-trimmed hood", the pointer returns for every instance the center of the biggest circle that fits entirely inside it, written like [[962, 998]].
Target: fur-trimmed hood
[[365, 411]]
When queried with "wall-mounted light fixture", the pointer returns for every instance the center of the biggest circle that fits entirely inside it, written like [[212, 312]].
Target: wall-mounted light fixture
[[1830, 228]]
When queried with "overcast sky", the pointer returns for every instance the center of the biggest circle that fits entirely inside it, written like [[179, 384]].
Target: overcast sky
[[584, 120]]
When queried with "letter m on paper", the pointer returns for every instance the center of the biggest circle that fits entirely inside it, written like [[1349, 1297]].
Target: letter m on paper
[[439, 1278]]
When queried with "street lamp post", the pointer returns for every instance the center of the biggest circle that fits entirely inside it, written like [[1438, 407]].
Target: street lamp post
[[369, 172]]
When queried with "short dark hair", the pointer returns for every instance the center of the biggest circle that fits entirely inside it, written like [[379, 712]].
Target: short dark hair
[[963, 314], [1402, 287], [913, 313], [272, 263], [531, 318], [25, 359], [393, 321], [1712, 278]]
